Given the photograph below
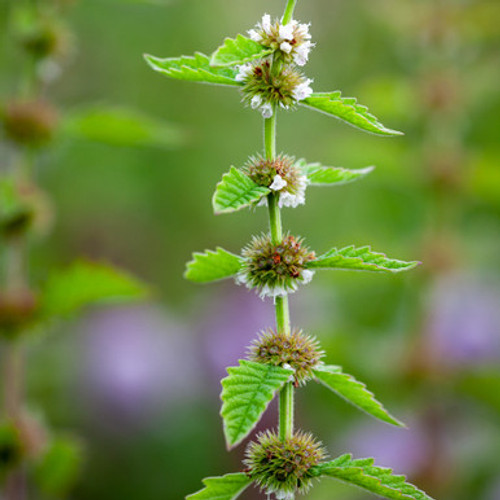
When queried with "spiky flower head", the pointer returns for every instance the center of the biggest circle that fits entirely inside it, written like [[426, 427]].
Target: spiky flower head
[[280, 175], [297, 350], [275, 268], [292, 41], [283, 467], [266, 86]]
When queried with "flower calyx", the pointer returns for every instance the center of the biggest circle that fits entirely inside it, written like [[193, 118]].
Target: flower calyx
[[283, 468], [275, 269], [299, 351]]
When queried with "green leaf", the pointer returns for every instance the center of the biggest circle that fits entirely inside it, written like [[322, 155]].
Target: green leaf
[[212, 266], [226, 487], [361, 259], [246, 393], [236, 191], [121, 127], [348, 110], [60, 467], [85, 283], [238, 51], [318, 175], [353, 391], [196, 69], [377, 480]]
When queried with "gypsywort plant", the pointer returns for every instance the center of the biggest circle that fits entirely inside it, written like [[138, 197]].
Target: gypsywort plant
[[266, 66]]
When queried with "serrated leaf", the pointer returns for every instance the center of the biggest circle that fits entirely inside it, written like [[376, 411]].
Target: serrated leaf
[[348, 110], [238, 50], [86, 283], [318, 175], [195, 69], [354, 392], [236, 191], [227, 487], [121, 126], [212, 266], [377, 480], [360, 259], [246, 393]]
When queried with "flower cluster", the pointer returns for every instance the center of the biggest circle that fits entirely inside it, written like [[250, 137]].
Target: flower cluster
[[301, 352], [292, 40], [275, 269], [265, 87], [280, 175], [283, 467], [275, 81]]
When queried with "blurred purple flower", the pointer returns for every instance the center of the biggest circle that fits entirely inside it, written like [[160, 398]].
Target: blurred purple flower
[[134, 363], [464, 322]]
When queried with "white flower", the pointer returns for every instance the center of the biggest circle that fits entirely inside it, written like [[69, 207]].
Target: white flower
[[256, 101], [286, 31], [302, 30], [286, 47], [266, 23], [301, 53], [244, 72], [255, 35], [302, 90], [278, 183], [267, 110], [307, 276], [294, 200]]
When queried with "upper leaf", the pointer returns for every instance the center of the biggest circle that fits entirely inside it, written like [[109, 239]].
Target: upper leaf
[[226, 487], [196, 69], [246, 393], [377, 480], [318, 175], [212, 266], [238, 51], [348, 110], [122, 127], [353, 391], [236, 191], [362, 259], [85, 283]]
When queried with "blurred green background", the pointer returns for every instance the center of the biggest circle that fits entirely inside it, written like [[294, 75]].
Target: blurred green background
[[140, 385]]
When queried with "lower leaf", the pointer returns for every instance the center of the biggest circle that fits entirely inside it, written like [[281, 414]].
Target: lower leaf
[[226, 487]]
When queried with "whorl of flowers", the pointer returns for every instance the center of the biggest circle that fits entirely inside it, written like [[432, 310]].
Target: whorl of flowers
[[283, 468], [297, 350], [280, 175], [265, 87], [275, 269], [292, 40]]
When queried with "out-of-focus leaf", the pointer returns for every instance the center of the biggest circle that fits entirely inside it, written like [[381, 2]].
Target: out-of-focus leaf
[[120, 126], [238, 50], [348, 110], [87, 283], [360, 259], [364, 474], [246, 393], [195, 69], [228, 487], [236, 191], [212, 266], [353, 391], [59, 468], [318, 175]]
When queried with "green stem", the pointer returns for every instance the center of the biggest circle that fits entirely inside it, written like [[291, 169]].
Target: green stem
[[286, 411], [287, 16]]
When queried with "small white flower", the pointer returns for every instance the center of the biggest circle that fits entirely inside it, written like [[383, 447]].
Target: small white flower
[[254, 35], [286, 47], [286, 31], [244, 72], [294, 200], [278, 183], [267, 110], [301, 53], [303, 31], [266, 23], [307, 276], [303, 90], [256, 101]]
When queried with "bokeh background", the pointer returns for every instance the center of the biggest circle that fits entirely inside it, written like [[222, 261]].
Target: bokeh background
[[140, 385]]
